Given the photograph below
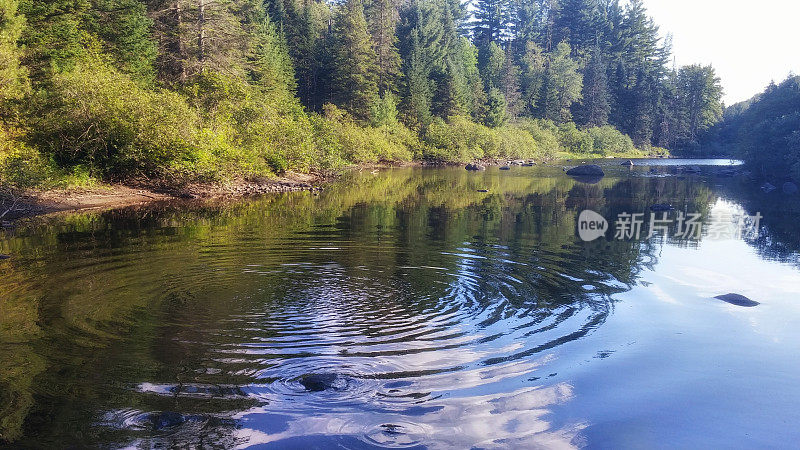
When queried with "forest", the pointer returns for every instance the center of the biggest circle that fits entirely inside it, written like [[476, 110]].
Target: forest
[[181, 90], [764, 131]]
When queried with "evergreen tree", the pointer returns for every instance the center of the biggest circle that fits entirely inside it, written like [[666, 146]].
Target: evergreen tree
[[594, 108], [496, 113], [511, 86], [562, 85], [532, 77], [270, 65], [578, 22], [355, 79], [382, 16], [492, 21]]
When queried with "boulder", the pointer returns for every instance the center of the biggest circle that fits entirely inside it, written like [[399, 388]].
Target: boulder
[[317, 382], [662, 207], [166, 419], [738, 300], [2, 257], [475, 167], [692, 169], [789, 188], [767, 188], [627, 163], [587, 170], [505, 168]]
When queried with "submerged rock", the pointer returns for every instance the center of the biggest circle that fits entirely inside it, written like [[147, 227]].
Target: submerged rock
[[738, 300], [690, 169], [483, 190], [318, 382], [789, 188], [727, 173], [767, 188], [475, 167], [505, 168], [166, 419], [662, 207], [2, 257], [588, 170]]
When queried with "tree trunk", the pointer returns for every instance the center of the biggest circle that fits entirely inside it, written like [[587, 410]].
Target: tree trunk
[[201, 33]]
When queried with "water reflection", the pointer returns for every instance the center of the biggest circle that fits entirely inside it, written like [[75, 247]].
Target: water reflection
[[403, 309]]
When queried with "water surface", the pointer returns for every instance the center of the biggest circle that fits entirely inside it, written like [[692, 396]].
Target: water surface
[[407, 309]]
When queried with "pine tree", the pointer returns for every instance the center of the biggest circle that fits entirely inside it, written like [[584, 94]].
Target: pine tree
[[562, 85], [491, 60], [578, 22], [492, 21], [355, 80], [532, 77], [511, 86], [382, 16], [496, 113], [594, 108], [270, 64]]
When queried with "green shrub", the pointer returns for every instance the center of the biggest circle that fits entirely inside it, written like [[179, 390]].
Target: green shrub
[[574, 140], [608, 140], [544, 133], [100, 118], [460, 140], [516, 143], [390, 142]]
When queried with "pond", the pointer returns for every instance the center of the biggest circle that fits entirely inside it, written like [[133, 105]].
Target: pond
[[415, 308]]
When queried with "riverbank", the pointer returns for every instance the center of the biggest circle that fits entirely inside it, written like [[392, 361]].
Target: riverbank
[[109, 196], [36, 202]]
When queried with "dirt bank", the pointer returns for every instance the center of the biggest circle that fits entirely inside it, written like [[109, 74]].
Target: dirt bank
[[110, 196]]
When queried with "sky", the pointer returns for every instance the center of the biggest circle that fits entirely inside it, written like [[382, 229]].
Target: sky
[[748, 43]]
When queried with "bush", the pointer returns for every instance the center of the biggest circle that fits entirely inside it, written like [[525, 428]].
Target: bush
[[389, 142], [100, 118], [460, 140], [544, 133], [516, 143], [574, 140], [607, 140]]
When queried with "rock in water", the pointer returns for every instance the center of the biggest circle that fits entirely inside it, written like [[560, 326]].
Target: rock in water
[[2, 257], [505, 168], [661, 207], [627, 163], [738, 300], [588, 170], [166, 419], [789, 188], [317, 382], [475, 167], [691, 169], [767, 188]]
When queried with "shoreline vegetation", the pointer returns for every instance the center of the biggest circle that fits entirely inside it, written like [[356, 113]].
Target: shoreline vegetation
[[176, 93]]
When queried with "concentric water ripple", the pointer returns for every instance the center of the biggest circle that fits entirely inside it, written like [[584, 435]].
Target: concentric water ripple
[[357, 326]]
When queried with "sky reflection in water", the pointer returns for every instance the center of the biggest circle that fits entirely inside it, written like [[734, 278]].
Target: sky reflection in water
[[428, 313]]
